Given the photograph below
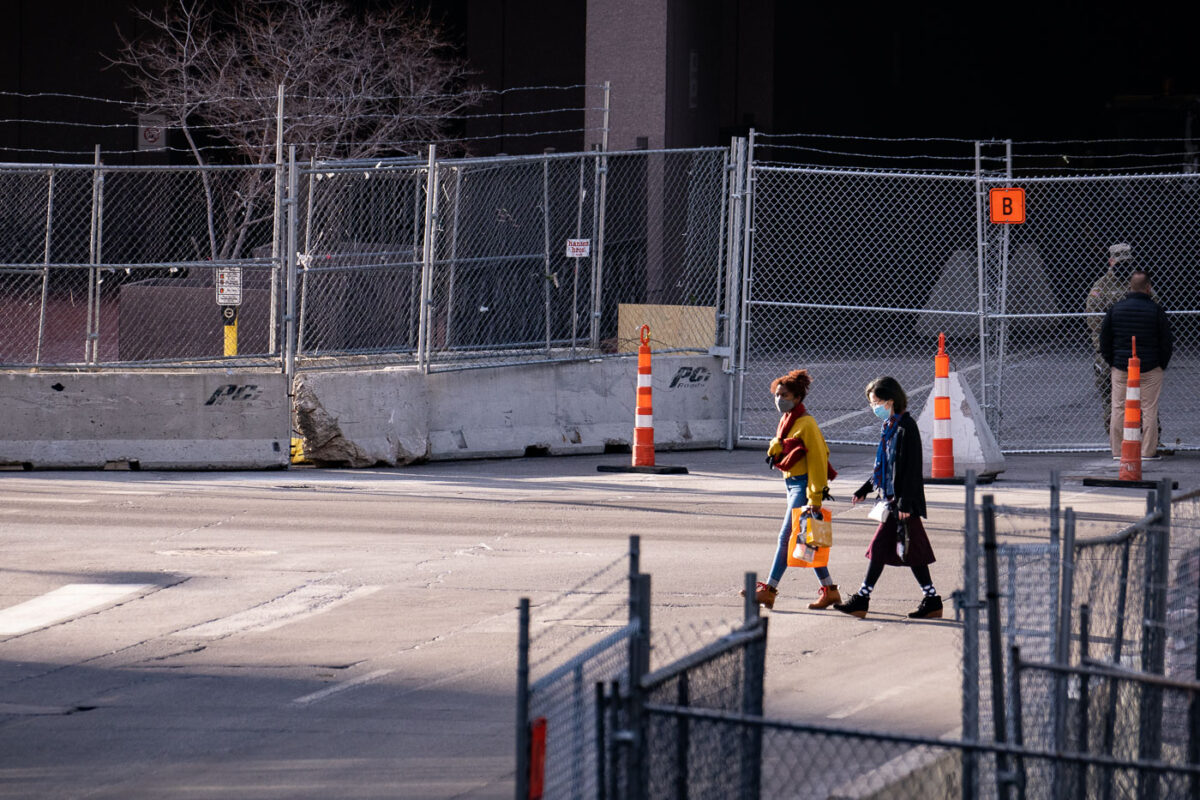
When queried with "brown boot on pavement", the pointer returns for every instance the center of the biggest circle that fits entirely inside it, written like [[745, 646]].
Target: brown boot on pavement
[[763, 594], [826, 596]]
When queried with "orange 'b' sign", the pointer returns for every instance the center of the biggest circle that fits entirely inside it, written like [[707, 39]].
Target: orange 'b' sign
[[1007, 206]]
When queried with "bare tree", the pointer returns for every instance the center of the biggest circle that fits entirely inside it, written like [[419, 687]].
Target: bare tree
[[357, 85]]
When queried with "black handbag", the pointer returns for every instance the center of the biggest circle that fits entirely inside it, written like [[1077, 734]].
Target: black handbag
[[902, 538]]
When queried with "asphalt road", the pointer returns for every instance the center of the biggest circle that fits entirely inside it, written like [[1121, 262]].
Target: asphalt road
[[319, 633]]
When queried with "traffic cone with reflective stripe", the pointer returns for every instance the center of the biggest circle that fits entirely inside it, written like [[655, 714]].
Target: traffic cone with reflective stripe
[[643, 417], [1131, 445], [643, 420], [943, 442]]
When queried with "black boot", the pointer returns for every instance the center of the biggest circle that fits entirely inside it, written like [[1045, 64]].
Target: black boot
[[930, 608], [856, 607]]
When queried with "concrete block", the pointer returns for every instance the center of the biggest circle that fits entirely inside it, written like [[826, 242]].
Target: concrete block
[[975, 446], [396, 416], [152, 420], [360, 418]]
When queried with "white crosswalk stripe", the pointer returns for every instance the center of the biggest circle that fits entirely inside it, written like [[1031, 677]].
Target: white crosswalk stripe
[[64, 603], [304, 601]]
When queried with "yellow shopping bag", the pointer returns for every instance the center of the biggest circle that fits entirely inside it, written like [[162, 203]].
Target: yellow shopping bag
[[810, 540]]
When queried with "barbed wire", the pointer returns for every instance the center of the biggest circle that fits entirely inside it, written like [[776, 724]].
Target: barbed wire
[[871, 155], [851, 137], [274, 98], [399, 144], [299, 119]]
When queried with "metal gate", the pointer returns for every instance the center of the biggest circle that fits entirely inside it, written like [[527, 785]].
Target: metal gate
[[852, 274]]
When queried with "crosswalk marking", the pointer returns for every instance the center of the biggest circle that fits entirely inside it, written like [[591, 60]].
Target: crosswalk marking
[[63, 604], [341, 687], [313, 598]]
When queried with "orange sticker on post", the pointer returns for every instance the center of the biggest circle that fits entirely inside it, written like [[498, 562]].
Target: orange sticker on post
[[1006, 206]]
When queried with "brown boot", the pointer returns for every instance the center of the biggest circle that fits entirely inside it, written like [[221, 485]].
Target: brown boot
[[764, 594], [826, 596]]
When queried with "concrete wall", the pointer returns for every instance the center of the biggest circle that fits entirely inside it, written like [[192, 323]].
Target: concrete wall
[[213, 420], [399, 415], [152, 420]]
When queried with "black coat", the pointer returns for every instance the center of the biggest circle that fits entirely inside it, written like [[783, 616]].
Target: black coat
[[909, 482], [1136, 315]]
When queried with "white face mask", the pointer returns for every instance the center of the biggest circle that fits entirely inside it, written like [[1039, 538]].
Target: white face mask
[[783, 404]]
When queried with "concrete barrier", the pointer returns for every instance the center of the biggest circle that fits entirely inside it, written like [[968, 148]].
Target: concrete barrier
[[147, 420], [214, 420], [975, 446], [396, 416]]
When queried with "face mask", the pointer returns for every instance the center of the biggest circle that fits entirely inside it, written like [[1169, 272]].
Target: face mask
[[783, 405], [881, 412]]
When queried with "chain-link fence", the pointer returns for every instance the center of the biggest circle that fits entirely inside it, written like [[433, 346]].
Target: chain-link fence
[[447, 263], [1101, 663], [458, 263], [813, 762], [1080, 653], [518, 259], [853, 273], [108, 265]]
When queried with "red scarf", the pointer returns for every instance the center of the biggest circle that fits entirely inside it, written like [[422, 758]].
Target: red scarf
[[793, 449]]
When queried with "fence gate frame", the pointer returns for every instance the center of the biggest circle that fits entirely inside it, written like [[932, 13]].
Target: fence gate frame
[[1001, 309]]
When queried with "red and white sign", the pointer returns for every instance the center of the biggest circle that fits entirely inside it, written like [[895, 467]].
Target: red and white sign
[[579, 248], [152, 132], [229, 286]]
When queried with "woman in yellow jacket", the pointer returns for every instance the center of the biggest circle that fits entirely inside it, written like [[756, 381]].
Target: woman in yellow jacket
[[800, 453]]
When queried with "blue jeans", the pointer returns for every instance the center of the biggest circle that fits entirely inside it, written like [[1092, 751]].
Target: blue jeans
[[796, 498]]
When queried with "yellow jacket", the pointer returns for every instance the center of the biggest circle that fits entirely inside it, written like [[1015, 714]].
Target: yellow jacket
[[806, 430]]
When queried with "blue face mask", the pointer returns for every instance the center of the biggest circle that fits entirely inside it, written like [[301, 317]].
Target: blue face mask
[[881, 412]]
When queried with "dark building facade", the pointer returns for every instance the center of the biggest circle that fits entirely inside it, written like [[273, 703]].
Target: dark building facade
[[688, 72]]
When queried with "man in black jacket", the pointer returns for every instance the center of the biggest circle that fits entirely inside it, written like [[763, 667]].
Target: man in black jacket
[[1137, 315]]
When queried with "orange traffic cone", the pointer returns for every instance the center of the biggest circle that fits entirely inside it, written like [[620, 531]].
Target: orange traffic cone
[[1131, 445], [643, 420], [943, 442], [643, 417], [1130, 474]]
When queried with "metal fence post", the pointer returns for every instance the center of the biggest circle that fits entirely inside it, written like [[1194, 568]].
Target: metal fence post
[[522, 778], [1194, 702], [91, 340], [1062, 644], [980, 245], [752, 697], [427, 261], [37, 356], [733, 280], [1018, 721], [747, 212], [601, 201], [277, 219], [602, 704], [304, 264], [639, 666], [682, 739], [995, 647], [293, 232], [546, 273], [970, 688], [575, 261], [1002, 308], [1158, 543]]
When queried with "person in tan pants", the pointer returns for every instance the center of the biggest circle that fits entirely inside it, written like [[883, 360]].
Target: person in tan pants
[[1136, 317]]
